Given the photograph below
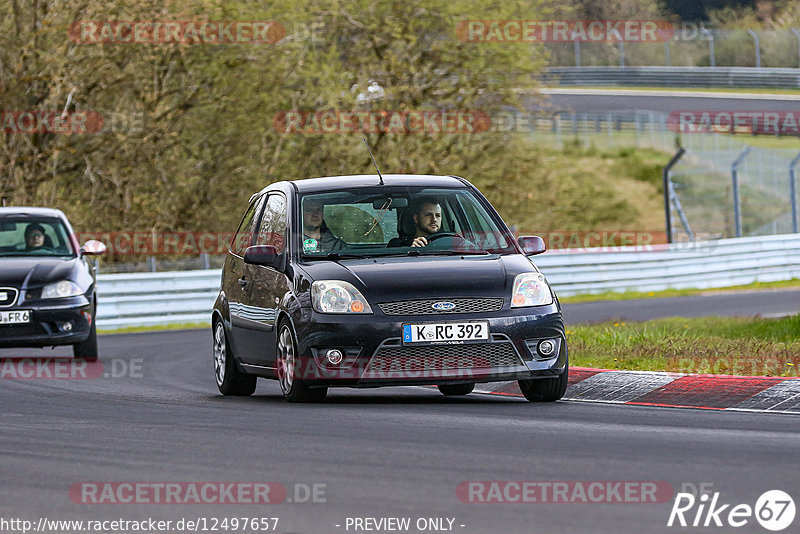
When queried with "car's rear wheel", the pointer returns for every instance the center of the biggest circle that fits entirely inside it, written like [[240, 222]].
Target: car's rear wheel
[[87, 350], [292, 386], [230, 380], [545, 389], [454, 390]]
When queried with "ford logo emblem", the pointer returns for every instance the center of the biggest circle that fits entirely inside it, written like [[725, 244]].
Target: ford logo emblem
[[443, 306]]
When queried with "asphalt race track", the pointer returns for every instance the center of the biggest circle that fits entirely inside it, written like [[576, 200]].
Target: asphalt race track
[[666, 102], [396, 452]]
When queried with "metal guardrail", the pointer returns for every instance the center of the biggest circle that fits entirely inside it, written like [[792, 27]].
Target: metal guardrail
[[144, 299], [780, 78], [149, 299]]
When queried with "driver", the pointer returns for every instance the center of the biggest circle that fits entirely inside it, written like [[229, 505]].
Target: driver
[[427, 221], [34, 236]]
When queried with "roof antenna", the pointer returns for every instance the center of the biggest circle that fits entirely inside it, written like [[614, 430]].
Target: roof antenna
[[373, 159]]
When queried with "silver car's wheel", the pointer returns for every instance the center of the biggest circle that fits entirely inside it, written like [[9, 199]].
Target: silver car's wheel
[[220, 353], [230, 380], [286, 360]]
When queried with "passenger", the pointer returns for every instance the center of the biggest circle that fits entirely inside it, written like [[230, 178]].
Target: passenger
[[316, 235]]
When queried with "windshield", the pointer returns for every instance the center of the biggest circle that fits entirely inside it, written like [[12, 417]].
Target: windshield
[[381, 221], [34, 237]]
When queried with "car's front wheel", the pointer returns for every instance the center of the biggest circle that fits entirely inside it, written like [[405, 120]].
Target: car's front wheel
[[288, 363], [545, 389], [230, 380], [87, 350], [454, 390]]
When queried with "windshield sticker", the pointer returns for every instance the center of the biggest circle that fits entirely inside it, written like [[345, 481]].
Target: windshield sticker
[[310, 245]]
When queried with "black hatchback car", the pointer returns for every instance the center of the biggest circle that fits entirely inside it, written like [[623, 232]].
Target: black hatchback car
[[361, 281], [47, 288]]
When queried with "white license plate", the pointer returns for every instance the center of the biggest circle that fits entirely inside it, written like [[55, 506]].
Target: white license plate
[[445, 332], [15, 317]]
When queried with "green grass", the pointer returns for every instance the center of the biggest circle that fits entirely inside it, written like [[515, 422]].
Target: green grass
[[760, 90], [160, 328], [631, 295], [717, 345]]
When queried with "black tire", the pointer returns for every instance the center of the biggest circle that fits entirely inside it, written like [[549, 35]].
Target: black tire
[[286, 362], [230, 380], [455, 390], [545, 389], [87, 350]]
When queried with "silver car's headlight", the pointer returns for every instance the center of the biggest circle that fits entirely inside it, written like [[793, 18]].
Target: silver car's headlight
[[530, 289], [64, 288], [336, 296]]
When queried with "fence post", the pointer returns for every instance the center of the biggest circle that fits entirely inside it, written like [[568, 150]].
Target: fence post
[[665, 178], [737, 206], [793, 193], [667, 60], [797, 36], [576, 44], [710, 38], [754, 35], [621, 47]]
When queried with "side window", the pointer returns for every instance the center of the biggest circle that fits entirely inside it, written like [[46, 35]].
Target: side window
[[244, 234], [272, 230]]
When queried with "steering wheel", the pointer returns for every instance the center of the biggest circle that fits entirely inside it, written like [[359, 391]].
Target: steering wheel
[[434, 237]]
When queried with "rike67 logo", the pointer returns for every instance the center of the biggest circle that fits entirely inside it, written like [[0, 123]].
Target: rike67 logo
[[774, 510]]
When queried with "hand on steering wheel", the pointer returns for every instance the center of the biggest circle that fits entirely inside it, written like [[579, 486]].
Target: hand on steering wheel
[[434, 237]]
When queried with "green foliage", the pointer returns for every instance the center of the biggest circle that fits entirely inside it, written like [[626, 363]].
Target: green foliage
[[203, 139]]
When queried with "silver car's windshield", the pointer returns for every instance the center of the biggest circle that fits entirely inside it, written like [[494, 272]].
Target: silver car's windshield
[[380, 221], [34, 237]]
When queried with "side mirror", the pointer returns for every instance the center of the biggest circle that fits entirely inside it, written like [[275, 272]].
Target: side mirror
[[93, 248], [264, 255], [531, 244]]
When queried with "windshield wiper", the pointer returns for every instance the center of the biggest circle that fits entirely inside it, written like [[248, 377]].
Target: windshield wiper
[[335, 256], [455, 252]]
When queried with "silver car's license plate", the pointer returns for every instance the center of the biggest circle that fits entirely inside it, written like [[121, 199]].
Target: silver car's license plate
[[445, 332], [15, 317]]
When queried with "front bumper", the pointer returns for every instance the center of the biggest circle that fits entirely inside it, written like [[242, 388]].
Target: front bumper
[[374, 354], [47, 324]]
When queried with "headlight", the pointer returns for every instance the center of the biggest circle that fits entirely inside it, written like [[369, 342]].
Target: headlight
[[335, 296], [530, 289], [64, 288]]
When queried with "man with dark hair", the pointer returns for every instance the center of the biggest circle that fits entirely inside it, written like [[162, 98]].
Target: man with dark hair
[[34, 236], [427, 220]]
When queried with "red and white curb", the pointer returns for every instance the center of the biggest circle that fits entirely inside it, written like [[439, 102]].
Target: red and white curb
[[710, 392]]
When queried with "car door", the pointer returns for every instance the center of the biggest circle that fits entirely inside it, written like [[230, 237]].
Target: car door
[[267, 284], [234, 277]]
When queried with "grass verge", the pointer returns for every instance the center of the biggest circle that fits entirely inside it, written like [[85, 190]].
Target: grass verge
[[715, 345], [155, 328], [732, 90], [631, 295]]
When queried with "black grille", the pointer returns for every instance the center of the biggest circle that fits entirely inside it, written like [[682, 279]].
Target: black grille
[[444, 357], [8, 296], [425, 307]]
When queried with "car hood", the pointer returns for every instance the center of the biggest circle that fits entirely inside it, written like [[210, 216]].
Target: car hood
[[29, 272], [419, 277]]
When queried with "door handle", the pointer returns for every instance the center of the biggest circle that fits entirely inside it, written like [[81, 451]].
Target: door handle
[[242, 282]]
